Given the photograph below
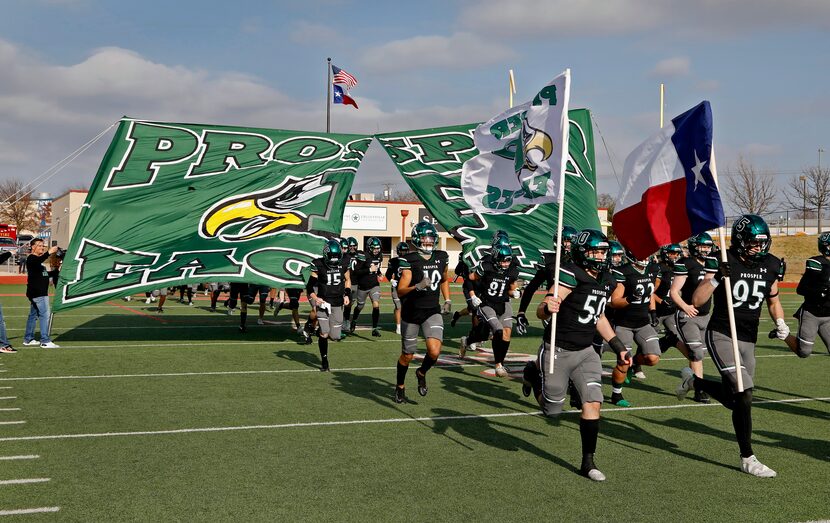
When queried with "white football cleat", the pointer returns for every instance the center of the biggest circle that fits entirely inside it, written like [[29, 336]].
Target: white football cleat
[[751, 465], [501, 372]]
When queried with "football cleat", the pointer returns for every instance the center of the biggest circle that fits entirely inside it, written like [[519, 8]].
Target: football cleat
[[422, 383], [325, 366], [501, 372], [455, 316], [590, 470], [376, 333], [400, 395], [687, 381], [638, 372], [752, 466], [148, 301], [619, 401], [352, 326], [462, 349], [529, 376], [701, 397], [159, 311], [260, 322], [243, 329], [128, 298]]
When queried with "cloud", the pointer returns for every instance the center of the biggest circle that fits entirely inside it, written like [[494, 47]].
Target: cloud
[[752, 150], [458, 51], [671, 68], [565, 18], [708, 85], [308, 33]]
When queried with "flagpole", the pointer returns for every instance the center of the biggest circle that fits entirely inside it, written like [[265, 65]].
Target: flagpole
[[727, 282], [511, 87], [328, 95], [662, 91], [560, 218]]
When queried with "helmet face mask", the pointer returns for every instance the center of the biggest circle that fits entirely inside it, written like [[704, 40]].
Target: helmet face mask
[[569, 235], [352, 244], [332, 253], [751, 237], [671, 253], [373, 246], [700, 245], [402, 249], [590, 250], [502, 258], [344, 244], [424, 237]]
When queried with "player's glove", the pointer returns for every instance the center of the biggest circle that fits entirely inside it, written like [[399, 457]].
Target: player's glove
[[516, 294], [423, 284], [475, 301], [373, 268], [447, 307], [521, 324], [781, 329], [324, 306], [393, 283], [652, 318], [724, 270]]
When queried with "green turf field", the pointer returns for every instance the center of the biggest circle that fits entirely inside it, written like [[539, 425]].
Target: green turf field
[[180, 417]]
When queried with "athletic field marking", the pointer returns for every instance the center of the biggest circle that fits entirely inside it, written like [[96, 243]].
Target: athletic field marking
[[283, 371], [373, 421], [226, 325], [12, 422], [9, 409], [8, 397], [6, 388], [13, 458], [221, 344], [39, 510], [23, 481]]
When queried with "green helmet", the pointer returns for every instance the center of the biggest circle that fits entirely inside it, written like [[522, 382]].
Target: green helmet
[[698, 245], [421, 234], [373, 245], [667, 250], [824, 243], [502, 257], [500, 237], [750, 231], [586, 241], [568, 235], [344, 244], [352, 244], [332, 253], [402, 248], [616, 249], [633, 259]]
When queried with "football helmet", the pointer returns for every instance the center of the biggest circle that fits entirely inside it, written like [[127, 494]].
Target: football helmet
[[373, 246], [617, 254], [585, 247], [502, 257], [402, 248], [352, 244], [700, 245], [332, 253], [824, 243], [749, 232], [344, 244], [568, 236], [670, 253], [424, 237]]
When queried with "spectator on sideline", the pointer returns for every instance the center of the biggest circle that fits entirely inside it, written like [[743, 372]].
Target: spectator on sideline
[[5, 346], [37, 290], [22, 253]]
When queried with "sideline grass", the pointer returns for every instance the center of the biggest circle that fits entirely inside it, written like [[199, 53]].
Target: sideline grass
[[678, 461]]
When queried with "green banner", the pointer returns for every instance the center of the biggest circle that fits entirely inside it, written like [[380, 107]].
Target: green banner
[[431, 162], [175, 204]]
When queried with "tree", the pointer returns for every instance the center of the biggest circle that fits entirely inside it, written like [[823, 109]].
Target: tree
[[749, 191], [17, 207], [811, 188], [404, 196]]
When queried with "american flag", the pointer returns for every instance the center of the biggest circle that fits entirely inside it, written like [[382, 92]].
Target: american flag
[[342, 77]]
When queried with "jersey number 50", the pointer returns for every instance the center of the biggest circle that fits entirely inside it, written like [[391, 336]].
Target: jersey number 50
[[594, 307]]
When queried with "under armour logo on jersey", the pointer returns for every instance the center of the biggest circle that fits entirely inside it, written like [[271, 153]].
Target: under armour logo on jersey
[[763, 269]]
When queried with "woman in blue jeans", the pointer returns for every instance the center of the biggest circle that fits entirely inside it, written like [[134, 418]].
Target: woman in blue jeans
[[5, 346], [37, 290]]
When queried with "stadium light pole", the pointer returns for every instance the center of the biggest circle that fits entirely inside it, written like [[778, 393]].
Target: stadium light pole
[[804, 203], [820, 150]]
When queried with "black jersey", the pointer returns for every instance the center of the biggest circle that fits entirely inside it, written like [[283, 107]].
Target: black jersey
[[665, 305], [331, 281], [576, 322], [362, 273], [462, 270], [751, 285], [393, 271], [417, 306], [636, 283], [494, 285], [694, 272], [814, 282]]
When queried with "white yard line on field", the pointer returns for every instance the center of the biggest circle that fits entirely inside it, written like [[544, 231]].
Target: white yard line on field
[[311, 424], [20, 511], [23, 481], [13, 458]]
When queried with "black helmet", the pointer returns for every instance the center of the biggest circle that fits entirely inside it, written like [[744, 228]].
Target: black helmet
[[699, 241], [352, 244], [824, 243], [373, 246], [502, 256], [750, 231], [422, 232], [344, 244], [586, 241], [402, 248], [332, 253], [667, 250]]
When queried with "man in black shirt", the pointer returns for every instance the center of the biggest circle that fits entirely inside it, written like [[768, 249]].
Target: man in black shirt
[[329, 288], [37, 290]]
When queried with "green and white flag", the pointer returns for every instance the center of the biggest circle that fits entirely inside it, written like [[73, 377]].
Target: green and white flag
[[175, 204], [432, 160]]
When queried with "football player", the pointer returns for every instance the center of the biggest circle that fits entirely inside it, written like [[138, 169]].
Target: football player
[[544, 274], [753, 274], [365, 272], [633, 304], [489, 289], [814, 314], [348, 261], [393, 274], [691, 321], [329, 288], [665, 308], [290, 299], [423, 275], [585, 286]]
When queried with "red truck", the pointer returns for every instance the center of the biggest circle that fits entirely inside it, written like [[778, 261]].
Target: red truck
[[8, 231]]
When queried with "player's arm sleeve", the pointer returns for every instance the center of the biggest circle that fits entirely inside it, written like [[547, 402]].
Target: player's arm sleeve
[[310, 284], [811, 283], [531, 288], [390, 271]]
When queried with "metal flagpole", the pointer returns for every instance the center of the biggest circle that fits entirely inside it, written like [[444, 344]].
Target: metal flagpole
[[328, 95], [727, 282], [559, 219], [511, 89], [662, 91]]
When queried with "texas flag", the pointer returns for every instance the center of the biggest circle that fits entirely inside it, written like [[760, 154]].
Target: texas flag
[[340, 96], [669, 191]]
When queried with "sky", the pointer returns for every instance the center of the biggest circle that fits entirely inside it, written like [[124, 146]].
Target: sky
[[69, 69]]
